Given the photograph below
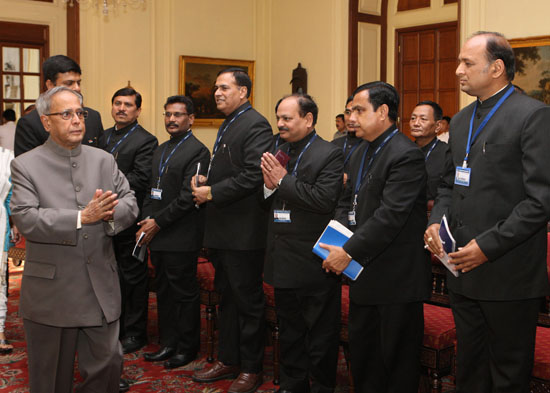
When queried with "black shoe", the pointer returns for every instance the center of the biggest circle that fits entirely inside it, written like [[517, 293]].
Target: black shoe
[[161, 354], [179, 360], [123, 385], [132, 344]]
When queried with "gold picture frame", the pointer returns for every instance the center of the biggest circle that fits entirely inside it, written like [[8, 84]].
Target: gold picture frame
[[533, 66], [197, 76]]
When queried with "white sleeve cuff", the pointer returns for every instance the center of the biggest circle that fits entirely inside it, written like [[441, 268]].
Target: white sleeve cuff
[[268, 192], [79, 220]]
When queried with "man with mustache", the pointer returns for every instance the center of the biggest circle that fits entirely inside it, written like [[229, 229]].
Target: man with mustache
[[302, 197], [236, 232], [133, 148], [173, 228]]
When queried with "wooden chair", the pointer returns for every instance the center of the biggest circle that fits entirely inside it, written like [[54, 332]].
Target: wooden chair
[[437, 354], [210, 299]]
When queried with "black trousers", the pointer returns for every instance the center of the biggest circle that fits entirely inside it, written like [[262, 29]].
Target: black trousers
[[133, 276], [309, 323], [238, 280], [385, 342], [495, 344], [178, 300]]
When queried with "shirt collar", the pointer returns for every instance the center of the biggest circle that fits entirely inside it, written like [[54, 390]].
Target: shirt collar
[[123, 130], [375, 143]]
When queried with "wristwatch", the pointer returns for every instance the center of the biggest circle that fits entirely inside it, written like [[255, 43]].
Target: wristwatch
[[209, 195]]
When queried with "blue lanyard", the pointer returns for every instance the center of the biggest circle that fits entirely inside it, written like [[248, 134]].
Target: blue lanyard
[[350, 151], [222, 132], [121, 139], [277, 141], [295, 170], [162, 164], [483, 123], [360, 175], [431, 148]]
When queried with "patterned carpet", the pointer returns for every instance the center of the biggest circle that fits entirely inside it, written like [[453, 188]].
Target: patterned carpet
[[144, 376]]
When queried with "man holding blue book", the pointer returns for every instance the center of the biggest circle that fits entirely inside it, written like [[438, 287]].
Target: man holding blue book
[[385, 207]]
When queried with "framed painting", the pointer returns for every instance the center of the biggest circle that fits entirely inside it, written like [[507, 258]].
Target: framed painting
[[197, 79], [533, 66]]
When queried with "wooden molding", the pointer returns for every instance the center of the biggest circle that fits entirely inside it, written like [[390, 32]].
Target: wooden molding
[[73, 31]]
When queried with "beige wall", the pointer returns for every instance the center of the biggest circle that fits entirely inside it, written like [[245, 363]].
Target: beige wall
[[143, 45]]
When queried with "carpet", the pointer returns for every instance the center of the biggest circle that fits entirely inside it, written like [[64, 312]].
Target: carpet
[[143, 376]]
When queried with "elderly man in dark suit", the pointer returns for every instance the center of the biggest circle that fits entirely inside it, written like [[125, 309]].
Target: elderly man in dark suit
[[496, 196], [385, 206], [58, 70], [236, 232], [303, 197], [68, 201]]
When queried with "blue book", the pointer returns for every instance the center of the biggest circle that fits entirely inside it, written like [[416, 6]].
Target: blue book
[[335, 234]]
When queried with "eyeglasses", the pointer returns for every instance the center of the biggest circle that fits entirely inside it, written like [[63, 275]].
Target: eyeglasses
[[68, 115], [175, 114]]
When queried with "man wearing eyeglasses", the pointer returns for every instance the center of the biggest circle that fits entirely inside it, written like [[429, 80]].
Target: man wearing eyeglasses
[[58, 71], [68, 200], [173, 229], [133, 148]]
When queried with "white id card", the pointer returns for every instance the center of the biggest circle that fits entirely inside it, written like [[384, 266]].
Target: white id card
[[156, 193], [462, 176], [351, 217], [281, 216]]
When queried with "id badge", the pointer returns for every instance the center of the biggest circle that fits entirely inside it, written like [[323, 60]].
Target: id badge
[[156, 193], [281, 216], [351, 218], [462, 176]]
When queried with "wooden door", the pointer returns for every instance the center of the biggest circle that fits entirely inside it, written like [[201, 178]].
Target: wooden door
[[425, 70], [23, 49]]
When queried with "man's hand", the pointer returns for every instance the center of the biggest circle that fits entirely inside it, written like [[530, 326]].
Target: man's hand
[[16, 235], [150, 227], [431, 238], [101, 207], [468, 257], [272, 170], [337, 260], [200, 193]]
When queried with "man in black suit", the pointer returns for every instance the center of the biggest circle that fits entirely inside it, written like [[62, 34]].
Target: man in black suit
[[350, 141], [173, 229], [425, 124], [58, 71], [385, 207], [303, 197], [496, 196], [133, 148], [236, 232]]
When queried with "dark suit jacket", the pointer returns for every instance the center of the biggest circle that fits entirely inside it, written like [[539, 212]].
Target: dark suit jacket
[[133, 156], [181, 224], [507, 205], [391, 218], [235, 219], [435, 165], [311, 197], [30, 132]]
